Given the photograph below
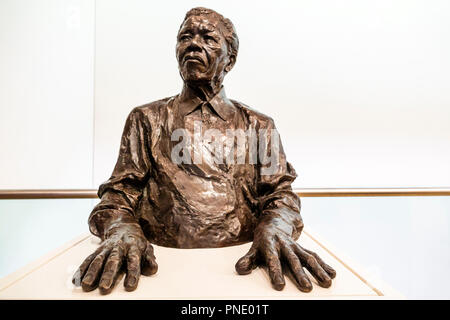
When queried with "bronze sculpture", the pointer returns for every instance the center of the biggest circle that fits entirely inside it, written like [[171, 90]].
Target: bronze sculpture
[[170, 193]]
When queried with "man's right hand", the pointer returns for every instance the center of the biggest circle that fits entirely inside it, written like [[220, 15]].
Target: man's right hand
[[124, 244]]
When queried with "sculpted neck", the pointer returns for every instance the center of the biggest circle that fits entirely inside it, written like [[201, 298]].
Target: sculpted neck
[[205, 91]]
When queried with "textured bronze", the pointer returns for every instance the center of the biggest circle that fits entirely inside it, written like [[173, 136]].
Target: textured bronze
[[150, 198]]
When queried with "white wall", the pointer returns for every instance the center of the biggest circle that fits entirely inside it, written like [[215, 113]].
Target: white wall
[[359, 90], [403, 241], [46, 93]]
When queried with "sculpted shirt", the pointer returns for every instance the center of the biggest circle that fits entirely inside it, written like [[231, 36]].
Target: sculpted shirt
[[192, 203]]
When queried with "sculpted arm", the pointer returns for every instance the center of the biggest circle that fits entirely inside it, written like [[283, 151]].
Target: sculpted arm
[[280, 224], [114, 218]]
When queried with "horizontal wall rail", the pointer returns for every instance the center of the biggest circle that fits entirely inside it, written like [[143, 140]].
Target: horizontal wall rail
[[49, 194], [302, 192], [372, 192]]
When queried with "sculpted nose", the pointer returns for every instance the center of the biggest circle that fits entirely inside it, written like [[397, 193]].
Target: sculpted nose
[[195, 45]]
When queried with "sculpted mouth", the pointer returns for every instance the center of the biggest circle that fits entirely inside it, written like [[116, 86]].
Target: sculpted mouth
[[193, 58]]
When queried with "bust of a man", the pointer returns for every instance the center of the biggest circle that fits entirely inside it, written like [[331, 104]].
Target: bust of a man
[[199, 170]]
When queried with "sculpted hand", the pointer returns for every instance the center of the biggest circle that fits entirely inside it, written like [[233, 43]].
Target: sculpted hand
[[272, 245], [124, 245]]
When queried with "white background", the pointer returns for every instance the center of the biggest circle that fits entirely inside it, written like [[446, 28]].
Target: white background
[[359, 90], [46, 94]]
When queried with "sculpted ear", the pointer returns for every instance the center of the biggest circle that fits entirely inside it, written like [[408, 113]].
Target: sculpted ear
[[231, 63]]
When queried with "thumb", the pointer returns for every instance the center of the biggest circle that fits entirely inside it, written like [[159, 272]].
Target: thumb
[[247, 263], [149, 262]]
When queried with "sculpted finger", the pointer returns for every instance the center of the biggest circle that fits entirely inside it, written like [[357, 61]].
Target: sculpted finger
[[273, 263], [303, 281], [310, 263], [331, 272], [133, 268], [111, 270], [76, 280], [247, 263], [149, 265], [92, 275]]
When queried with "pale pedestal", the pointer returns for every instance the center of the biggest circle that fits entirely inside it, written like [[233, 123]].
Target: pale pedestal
[[186, 274]]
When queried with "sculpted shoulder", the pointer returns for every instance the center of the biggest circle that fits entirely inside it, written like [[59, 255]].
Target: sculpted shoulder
[[150, 113], [152, 109], [254, 116]]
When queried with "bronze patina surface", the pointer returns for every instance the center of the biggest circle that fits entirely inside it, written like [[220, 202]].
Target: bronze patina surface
[[165, 192]]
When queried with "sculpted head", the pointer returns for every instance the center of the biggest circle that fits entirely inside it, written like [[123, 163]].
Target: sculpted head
[[207, 46]]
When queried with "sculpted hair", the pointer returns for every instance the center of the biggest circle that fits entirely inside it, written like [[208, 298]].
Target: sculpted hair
[[230, 32]]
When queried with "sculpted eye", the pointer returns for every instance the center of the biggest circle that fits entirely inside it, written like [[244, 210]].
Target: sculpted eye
[[185, 37], [210, 39]]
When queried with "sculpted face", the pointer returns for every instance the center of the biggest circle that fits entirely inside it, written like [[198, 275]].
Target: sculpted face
[[202, 51]]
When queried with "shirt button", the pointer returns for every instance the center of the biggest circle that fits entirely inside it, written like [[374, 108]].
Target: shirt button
[[207, 118]]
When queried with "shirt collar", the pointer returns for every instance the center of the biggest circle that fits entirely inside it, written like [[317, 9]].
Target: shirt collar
[[219, 103]]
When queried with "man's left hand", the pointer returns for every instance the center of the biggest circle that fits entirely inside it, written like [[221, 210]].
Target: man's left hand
[[271, 246]]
